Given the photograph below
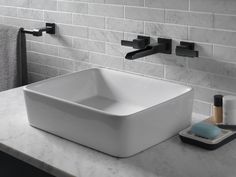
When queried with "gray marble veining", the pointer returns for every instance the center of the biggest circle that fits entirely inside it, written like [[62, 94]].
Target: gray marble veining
[[67, 159]]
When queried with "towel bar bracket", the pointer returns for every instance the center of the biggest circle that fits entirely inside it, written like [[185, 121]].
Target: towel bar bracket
[[50, 29]]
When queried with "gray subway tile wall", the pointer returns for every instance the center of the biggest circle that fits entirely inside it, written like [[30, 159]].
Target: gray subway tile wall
[[89, 34]]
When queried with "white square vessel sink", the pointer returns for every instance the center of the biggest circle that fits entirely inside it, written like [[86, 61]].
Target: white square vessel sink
[[114, 112]]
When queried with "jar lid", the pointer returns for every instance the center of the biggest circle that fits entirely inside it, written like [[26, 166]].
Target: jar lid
[[218, 100]]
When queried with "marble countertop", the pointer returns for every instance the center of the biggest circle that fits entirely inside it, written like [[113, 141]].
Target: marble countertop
[[63, 158]]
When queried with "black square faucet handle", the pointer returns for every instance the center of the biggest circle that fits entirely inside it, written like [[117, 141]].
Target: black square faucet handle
[[140, 43], [186, 49]]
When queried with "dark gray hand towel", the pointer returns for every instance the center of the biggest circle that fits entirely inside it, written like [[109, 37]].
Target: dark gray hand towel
[[13, 60]]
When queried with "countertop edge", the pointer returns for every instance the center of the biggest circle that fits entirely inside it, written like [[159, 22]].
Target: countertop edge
[[33, 161]]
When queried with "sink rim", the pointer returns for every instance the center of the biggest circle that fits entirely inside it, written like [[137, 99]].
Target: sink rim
[[27, 89]]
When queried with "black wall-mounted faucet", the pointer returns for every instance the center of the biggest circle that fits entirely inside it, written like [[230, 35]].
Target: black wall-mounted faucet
[[186, 49], [162, 46], [139, 43]]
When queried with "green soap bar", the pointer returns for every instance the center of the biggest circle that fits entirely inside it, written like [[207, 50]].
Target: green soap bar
[[205, 130]]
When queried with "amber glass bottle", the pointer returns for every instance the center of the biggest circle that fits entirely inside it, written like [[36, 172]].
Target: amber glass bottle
[[218, 109]]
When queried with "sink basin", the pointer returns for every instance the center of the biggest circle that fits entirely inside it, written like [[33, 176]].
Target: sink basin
[[114, 112]]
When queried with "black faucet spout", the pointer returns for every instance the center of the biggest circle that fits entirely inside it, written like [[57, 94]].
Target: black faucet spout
[[149, 50], [162, 46]]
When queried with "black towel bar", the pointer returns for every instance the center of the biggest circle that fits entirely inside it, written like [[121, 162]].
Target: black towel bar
[[50, 29]]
